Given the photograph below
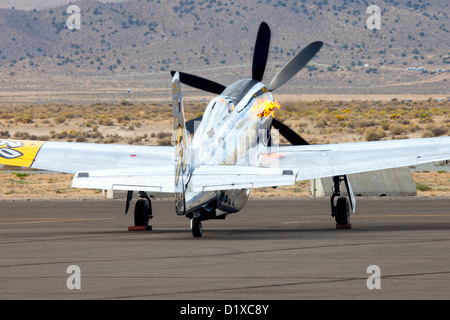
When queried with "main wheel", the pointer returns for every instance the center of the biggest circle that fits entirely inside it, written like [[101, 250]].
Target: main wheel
[[197, 228], [141, 213], [342, 211]]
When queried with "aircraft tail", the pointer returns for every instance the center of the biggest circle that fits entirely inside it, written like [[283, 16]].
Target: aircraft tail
[[181, 146]]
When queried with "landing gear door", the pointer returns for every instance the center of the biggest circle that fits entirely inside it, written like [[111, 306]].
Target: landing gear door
[[350, 193]]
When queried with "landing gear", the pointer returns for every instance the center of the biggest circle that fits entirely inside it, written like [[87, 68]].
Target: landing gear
[[202, 214], [141, 213], [341, 210], [196, 226], [143, 210], [342, 216]]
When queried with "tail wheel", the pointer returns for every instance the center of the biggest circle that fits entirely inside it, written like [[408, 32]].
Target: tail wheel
[[342, 211], [197, 228], [141, 213]]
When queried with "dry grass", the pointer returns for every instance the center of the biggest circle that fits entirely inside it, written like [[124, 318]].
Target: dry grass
[[123, 123], [37, 185], [151, 124], [432, 184], [138, 123]]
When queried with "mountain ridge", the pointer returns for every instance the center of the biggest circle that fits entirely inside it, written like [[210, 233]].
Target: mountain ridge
[[122, 43]]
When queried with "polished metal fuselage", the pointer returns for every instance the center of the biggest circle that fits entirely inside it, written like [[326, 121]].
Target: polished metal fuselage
[[230, 133]]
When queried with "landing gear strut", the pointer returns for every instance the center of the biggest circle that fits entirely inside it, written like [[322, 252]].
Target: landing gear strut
[[340, 211]]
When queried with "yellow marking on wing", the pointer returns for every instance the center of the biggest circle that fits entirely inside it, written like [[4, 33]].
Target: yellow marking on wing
[[19, 153]]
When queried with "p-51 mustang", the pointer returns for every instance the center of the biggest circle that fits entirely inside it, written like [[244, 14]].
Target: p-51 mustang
[[231, 151]]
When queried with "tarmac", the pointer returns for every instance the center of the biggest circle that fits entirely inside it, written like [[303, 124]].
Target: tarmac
[[272, 250]]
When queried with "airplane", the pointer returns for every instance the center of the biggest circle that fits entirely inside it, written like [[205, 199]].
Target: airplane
[[218, 158]]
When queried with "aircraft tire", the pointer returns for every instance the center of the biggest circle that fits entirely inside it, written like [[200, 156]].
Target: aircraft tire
[[342, 211], [197, 229], [141, 213]]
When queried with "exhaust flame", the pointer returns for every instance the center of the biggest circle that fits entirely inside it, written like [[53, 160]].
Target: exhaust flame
[[267, 108]]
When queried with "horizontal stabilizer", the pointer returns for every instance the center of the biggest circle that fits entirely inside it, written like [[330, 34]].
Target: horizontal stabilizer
[[157, 179], [204, 178], [209, 178]]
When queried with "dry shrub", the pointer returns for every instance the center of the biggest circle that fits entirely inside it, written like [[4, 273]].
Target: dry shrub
[[375, 134], [435, 132], [397, 130]]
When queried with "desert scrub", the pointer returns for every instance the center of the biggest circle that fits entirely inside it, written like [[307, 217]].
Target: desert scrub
[[424, 116], [105, 121], [397, 130], [163, 135], [22, 135], [21, 175], [423, 187], [4, 134], [302, 186], [24, 118], [374, 134], [394, 116], [165, 142], [435, 132]]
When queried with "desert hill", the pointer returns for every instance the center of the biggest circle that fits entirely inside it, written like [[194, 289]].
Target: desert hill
[[134, 44]]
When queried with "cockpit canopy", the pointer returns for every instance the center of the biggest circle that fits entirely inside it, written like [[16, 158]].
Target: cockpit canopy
[[237, 90]]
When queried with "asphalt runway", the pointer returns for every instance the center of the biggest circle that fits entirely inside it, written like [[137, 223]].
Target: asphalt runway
[[273, 249]]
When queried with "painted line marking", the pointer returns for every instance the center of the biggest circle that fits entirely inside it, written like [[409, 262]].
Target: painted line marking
[[401, 215], [49, 220]]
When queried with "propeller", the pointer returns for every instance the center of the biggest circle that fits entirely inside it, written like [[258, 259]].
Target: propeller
[[259, 64], [260, 56], [190, 125], [288, 133], [295, 65], [261, 52], [200, 83]]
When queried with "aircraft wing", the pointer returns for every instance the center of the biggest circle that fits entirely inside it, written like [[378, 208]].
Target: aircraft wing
[[150, 179], [151, 168], [130, 167], [318, 161], [70, 157]]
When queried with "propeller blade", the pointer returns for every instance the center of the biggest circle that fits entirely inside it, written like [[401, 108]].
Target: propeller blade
[[200, 83], [261, 52], [288, 133], [295, 65], [190, 125]]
